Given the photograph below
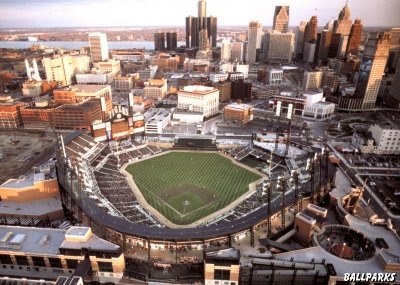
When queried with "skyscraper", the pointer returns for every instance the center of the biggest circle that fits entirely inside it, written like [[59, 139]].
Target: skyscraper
[[300, 37], [98, 46], [393, 98], [372, 68], [237, 51], [172, 40], [254, 41], [394, 53], [354, 38], [59, 69], [202, 14], [322, 47], [159, 41], [281, 19], [310, 31], [226, 50], [343, 26], [192, 33], [212, 30], [278, 47], [334, 45], [194, 25]]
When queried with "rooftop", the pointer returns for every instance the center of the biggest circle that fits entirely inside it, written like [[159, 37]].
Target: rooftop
[[37, 240], [47, 241], [93, 243], [239, 106], [312, 92], [88, 88], [199, 89], [78, 231], [156, 115], [85, 105], [24, 182], [322, 104], [35, 208]]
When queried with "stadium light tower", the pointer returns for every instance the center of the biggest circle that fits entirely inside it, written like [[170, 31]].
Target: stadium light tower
[[282, 186], [278, 115], [289, 116], [294, 177]]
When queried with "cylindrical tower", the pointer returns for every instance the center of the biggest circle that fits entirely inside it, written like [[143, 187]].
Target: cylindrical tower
[[202, 13], [202, 9]]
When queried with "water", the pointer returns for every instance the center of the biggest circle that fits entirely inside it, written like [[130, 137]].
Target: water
[[148, 45]]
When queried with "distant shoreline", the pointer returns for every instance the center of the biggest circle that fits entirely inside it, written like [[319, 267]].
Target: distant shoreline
[[76, 45]]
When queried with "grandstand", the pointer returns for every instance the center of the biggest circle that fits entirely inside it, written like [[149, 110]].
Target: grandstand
[[104, 182], [115, 189]]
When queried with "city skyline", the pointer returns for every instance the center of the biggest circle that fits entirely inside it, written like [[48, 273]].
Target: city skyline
[[46, 13]]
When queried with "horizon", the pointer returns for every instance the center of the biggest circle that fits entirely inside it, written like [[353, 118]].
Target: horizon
[[163, 26], [120, 13]]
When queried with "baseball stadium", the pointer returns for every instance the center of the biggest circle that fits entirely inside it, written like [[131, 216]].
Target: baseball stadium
[[181, 196]]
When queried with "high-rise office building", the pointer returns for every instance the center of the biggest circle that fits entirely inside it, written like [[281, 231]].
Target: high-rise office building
[[59, 69], [309, 51], [237, 51], [354, 38], [278, 47], [393, 98], [312, 80], [334, 46], [172, 40], [254, 41], [300, 37], [192, 33], [372, 68], [159, 41], [343, 26], [394, 53], [310, 31], [226, 50], [241, 90], [281, 19], [322, 47], [212, 30], [194, 25], [202, 14], [98, 46]]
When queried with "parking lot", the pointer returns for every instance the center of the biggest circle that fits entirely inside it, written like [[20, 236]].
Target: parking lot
[[374, 161], [380, 172], [21, 150], [387, 189]]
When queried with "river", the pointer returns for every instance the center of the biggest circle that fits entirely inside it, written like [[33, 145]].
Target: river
[[76, 45]]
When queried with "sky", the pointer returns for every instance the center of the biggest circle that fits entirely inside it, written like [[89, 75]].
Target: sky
[[104, 13]]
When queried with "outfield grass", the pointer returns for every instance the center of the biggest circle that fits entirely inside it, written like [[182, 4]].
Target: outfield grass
[[208, 181]]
